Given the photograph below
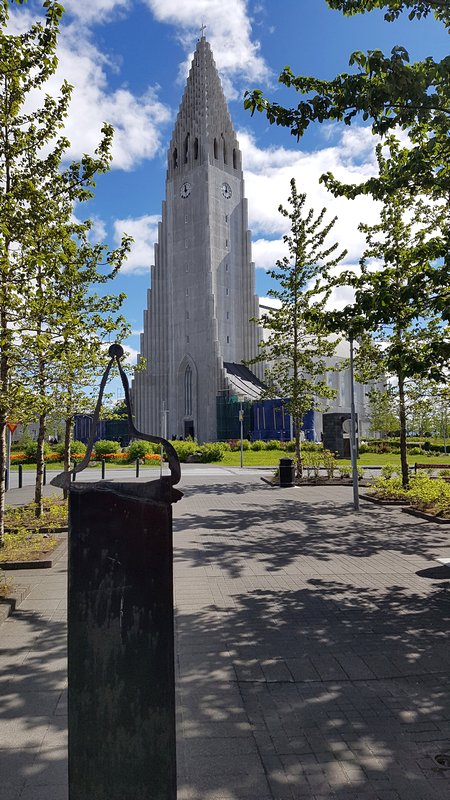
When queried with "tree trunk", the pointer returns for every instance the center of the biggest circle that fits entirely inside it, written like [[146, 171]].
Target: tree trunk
[[67, 443], [2, 480], [40, 463], [402, 415]]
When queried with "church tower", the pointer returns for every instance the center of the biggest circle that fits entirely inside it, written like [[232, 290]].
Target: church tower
[[197, 327]]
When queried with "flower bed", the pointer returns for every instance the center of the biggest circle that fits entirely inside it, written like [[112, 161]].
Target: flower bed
[[426, 495]]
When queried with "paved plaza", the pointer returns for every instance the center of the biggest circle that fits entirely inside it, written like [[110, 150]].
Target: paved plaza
[[312, 652]]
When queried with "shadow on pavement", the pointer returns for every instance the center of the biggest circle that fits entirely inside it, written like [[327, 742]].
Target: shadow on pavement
[[344, 688], [33, 758], [277, 533]]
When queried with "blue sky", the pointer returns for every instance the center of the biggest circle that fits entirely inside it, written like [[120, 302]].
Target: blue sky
[[128, 60]]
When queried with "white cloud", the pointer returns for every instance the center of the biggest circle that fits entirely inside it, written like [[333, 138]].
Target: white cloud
[[144, 231], [267, 177], [266, 252], [138, 120], [95, 11], [228, 30], [98, 231], [131, 354]]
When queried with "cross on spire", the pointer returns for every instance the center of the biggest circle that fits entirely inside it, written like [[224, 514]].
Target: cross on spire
[[202, 30]]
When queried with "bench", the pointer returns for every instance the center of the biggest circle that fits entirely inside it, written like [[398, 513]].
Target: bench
[[431, 466]]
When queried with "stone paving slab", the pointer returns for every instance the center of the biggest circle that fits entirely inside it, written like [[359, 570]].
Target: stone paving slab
[[339, 648], [312, 653]]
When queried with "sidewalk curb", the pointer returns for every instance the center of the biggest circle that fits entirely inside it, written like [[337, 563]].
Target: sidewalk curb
[[9, 604]]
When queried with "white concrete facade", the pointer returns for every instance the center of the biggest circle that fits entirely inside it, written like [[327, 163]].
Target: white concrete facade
[[202, 294]]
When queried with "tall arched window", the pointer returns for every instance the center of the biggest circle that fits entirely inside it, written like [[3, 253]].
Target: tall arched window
[[216, 149], [188, 392], [175, 158], [234, 158], [195, 148], [224, 149], [186, 148]]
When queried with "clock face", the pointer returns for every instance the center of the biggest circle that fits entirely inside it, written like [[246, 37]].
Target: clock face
[[185, 190], [226, 190]]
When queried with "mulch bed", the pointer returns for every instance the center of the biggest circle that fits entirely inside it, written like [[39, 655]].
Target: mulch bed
[[414, 512], [317, 482], [380, 501]]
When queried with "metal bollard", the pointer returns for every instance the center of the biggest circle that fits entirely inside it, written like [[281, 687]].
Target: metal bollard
[[20, 476], [74, 475], [137, 468], [44, 475], [103, 469]]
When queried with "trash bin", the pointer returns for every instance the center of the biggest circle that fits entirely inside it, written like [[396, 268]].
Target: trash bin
[[287, 472]]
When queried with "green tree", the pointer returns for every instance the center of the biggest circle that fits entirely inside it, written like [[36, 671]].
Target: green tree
[[391, 299], [387, 90], [36, 202], [390, 93], [383, 416], [297, 346]]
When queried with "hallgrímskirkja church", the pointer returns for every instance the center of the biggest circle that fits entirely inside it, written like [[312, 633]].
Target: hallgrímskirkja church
[[197, 328]]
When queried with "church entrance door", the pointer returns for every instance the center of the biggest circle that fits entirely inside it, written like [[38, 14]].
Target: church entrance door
[[188, 428]]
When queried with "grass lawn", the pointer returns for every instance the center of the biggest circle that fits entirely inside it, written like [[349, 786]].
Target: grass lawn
[[270, 458]]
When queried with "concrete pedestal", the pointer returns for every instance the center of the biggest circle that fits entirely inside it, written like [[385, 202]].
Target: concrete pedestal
[[121, 653]]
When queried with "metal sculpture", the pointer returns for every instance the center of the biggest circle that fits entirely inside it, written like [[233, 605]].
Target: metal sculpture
[[120, 629]]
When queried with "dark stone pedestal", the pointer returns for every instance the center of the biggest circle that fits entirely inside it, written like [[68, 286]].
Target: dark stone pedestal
[[121, 656]]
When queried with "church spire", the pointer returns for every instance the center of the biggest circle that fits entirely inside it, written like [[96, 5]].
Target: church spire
[[203, 130]]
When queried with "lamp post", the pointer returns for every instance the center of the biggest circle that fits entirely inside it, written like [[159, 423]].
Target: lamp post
[[353, 452], [241, 420]]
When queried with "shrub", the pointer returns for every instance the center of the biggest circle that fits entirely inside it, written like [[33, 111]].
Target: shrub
[[313, 447], [211, 451], [31, 450], [415, 451], [185, 448], [106, 447], [139, 448], [226, 446], [390, 489], [330, 463], [312, 461], [273, 444], [430, 495], [76, 448], [364, 447], [235, 445], [258, 444]]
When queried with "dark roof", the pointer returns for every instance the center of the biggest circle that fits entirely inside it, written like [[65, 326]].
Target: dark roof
[[243, 381]]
